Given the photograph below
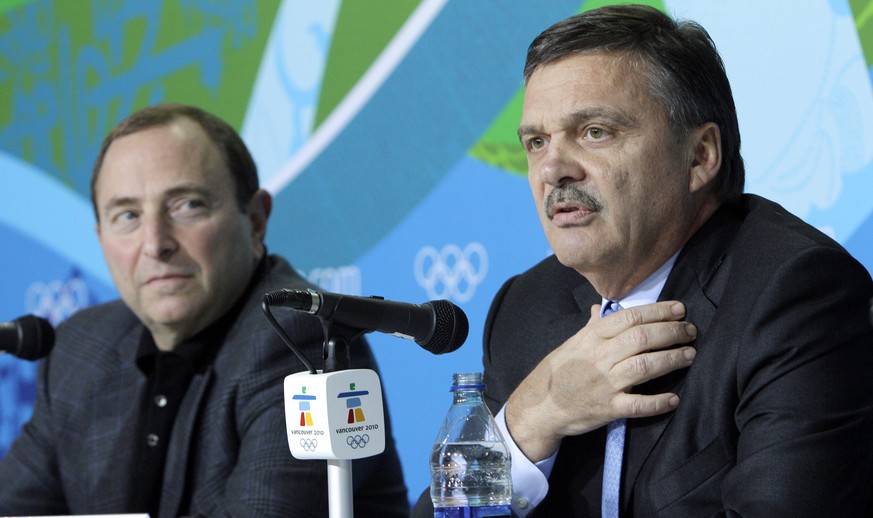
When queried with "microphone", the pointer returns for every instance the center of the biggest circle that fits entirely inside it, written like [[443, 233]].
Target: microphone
[[28, 337], [438, 326]]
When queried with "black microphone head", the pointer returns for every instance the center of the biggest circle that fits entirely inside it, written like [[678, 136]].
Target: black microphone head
[[450, 330], [36, 337]]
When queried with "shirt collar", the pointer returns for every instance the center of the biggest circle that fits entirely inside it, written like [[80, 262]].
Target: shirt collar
[[648, 291]]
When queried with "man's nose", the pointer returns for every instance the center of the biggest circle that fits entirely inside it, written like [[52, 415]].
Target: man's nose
[[561, 164], [158, 239]]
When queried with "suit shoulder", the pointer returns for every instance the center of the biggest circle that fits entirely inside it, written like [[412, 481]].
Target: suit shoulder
[[108, 321], [771, 224], [95, 342], [251, 345], [281, 274], [759, 243]]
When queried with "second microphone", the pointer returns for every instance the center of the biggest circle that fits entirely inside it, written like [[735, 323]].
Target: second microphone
[[437, 326]]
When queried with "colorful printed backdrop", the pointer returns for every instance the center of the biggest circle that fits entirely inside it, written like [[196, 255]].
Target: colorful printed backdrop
[[386, 131]]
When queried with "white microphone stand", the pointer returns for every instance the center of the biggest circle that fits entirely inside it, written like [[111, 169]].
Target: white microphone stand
[[325, 440], [340, 493], [337, 358], [339, 489]]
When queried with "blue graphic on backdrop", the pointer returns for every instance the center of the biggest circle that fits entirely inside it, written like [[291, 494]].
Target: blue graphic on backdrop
[[861, 243], [808, 129], [284, 101], [430, 111]]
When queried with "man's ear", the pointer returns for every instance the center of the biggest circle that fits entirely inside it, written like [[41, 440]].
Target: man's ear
[[706, 156], [258, 212]]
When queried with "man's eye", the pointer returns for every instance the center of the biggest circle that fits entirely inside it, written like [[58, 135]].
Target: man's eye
[[535, 143], [596, 133], [124, 216], [192, 204], [189, 209], [123, 221], [188, 205]]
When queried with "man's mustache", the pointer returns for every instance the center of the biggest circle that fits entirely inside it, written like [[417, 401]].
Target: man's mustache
[[572, 195]]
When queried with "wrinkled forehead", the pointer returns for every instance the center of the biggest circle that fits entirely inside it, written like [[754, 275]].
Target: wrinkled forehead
[[178, 153], [590, 82]]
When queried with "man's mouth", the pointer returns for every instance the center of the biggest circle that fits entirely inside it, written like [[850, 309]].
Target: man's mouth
[[570, 201], [565, 208], [166, 277]]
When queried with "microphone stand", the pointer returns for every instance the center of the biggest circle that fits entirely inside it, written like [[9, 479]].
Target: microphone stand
[[337, 357]]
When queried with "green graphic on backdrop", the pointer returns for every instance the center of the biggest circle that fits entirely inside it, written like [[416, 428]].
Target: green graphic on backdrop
[[363, 30], [863, 13], [6, 5], [72, 70]]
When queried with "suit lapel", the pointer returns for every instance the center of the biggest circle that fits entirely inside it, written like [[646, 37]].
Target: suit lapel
[[109, 439], [694, 281], [178, 467]]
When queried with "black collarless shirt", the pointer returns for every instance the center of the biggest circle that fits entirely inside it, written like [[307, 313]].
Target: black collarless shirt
[[168, 375]]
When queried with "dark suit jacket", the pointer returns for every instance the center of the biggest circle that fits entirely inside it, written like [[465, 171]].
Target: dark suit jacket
[[228, 452], [776, 413]]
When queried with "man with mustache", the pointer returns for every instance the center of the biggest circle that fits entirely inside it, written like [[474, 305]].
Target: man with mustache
[[689, 350], [170, 401]]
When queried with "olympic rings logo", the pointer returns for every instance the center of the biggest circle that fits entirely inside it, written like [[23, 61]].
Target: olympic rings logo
[[57, 300], [308, 444], [357, 441], [451, 273]]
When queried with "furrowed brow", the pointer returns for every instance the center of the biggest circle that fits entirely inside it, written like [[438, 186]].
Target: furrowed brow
[[122, 201], [611, 117], [185, 190]]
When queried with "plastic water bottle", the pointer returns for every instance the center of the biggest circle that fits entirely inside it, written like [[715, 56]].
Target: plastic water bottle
[[470, 464]]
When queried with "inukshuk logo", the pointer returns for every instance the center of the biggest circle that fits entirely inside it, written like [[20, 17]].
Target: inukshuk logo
[[353, 403], [304, 406]]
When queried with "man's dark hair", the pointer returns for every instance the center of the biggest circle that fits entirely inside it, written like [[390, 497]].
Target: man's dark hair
[[682, 67], [236, 155]]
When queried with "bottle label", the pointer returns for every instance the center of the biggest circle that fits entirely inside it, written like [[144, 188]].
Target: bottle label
[[482, 511]]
